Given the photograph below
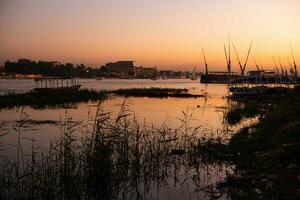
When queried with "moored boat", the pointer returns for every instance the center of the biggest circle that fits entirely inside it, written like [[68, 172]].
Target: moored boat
[[53, 84], [256, 91]]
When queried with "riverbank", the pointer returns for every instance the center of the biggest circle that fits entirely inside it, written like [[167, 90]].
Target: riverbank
[[267, 154]]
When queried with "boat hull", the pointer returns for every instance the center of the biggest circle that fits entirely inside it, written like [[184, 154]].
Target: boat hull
[[213, 78], [257, 91]]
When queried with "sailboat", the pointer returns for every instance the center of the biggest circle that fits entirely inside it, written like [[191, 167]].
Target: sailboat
[[242, 67], [219, 76], [194, 77]]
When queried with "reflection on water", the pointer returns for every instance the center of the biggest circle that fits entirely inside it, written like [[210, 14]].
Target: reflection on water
[[115, 156], [181, 178], [23, 85]]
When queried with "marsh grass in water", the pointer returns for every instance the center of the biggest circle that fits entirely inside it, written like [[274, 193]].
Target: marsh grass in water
[[65, 98], [50, 99], [248, 109], [156, 93], [113, 158]]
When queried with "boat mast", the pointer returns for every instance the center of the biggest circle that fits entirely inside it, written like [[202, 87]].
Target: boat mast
[[206, 66], [295, 66], [243, 67], [238, 58], [276, 67], [291, 67], [281, 67], [245, 64], [256, 65], [229, 59]]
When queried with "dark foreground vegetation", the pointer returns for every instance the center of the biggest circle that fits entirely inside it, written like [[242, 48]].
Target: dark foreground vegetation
[[120, 158], [114, 158], [266, 155], [50, 99]]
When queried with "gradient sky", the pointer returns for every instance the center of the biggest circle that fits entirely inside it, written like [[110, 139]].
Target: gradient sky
[[166, 33]]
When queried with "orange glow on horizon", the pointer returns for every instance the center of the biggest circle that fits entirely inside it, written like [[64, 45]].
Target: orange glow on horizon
[[169, 34]]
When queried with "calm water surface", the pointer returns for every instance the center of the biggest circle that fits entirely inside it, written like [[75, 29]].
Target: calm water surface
[[206, 112]]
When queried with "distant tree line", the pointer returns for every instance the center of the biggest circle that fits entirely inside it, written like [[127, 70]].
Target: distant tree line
[[45, 68]]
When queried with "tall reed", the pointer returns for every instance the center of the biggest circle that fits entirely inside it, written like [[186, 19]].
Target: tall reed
[[114, 158]]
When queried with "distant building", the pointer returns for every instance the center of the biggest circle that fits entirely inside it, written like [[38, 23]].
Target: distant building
[[177, 74], [121, 67], [166, 73], [143, 72]]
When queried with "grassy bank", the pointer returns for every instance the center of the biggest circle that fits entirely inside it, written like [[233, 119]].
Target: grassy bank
[[155, 93], [49, 99], [266, 155]]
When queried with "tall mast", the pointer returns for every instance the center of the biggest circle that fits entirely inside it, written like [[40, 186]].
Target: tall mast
[[256, 65], [245, 64], [229, 58], [242, 67], [280, 64], [295, 66], [226, 55], [206, 66], [261, 66], [277, 70], [238, 58], [291, 67]]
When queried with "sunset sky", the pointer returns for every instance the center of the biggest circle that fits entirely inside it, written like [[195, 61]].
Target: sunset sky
[[167, 33]]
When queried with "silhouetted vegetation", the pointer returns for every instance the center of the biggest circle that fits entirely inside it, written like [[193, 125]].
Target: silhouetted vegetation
[[155, 92], [115, 158], [248, 109], [50, 99], [266, 155]]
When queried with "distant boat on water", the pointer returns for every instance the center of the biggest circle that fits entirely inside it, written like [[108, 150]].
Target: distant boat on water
[[52, 84], [193, 76], [219, 76], [256, 91]]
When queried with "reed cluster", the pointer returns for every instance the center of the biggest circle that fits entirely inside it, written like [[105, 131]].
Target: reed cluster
[[114, 158]]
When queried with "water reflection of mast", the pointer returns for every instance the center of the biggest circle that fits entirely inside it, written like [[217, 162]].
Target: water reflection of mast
[[204, 104]]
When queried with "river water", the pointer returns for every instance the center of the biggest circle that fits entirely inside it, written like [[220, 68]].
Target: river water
[[207, 112]]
